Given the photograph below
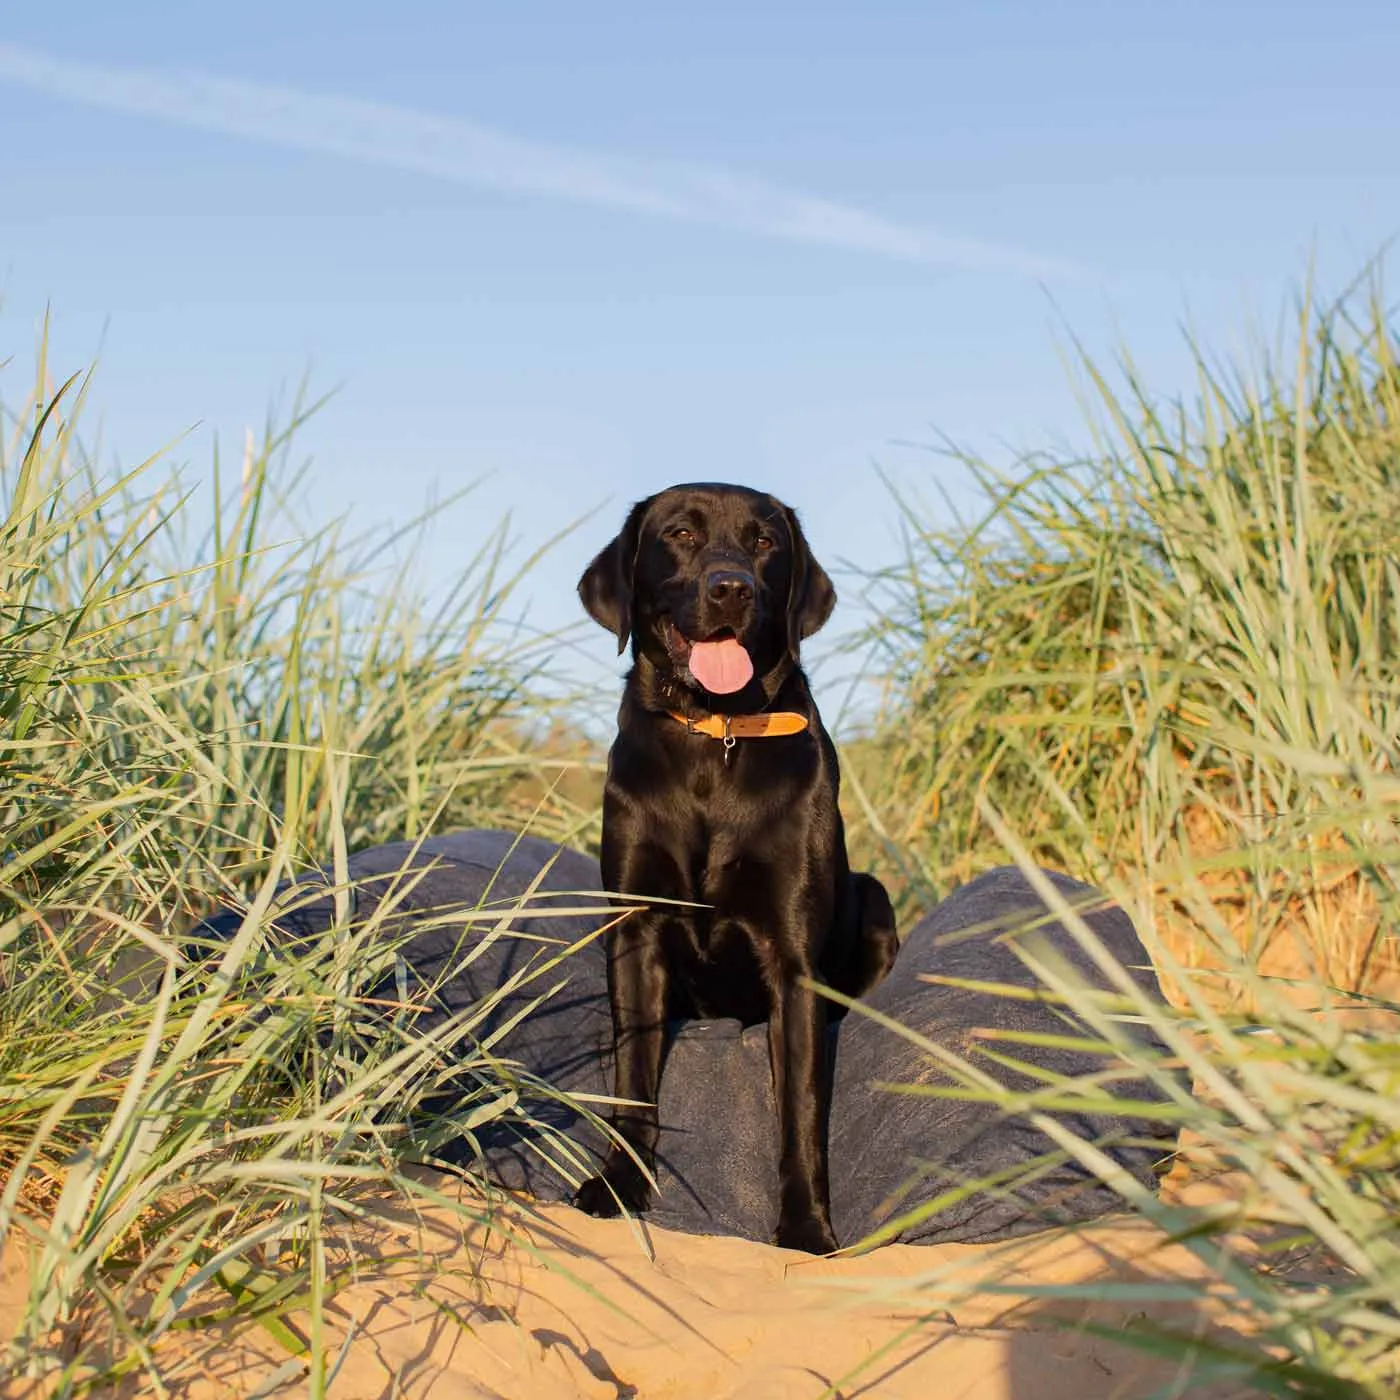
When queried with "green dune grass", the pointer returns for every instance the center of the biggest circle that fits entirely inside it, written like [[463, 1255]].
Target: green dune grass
[[1175, 660], [183, 722], [1172, 668]]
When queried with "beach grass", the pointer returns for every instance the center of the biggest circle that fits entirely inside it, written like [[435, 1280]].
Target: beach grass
[[1172, 668], [187, 717]]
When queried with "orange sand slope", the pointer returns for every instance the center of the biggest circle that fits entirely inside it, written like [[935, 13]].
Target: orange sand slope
[[631, 1311]]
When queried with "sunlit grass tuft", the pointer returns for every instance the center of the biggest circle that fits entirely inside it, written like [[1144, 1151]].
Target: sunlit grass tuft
[[1173, 669], [1178, 658], [185, 720]]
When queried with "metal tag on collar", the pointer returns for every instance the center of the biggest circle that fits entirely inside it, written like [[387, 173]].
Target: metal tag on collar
[[729, 741]]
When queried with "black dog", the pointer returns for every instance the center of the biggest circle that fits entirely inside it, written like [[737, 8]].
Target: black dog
[[721, 791]]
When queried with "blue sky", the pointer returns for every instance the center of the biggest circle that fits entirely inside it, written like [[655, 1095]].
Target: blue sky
[[584, 251]]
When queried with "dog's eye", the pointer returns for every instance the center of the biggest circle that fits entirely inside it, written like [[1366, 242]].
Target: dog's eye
[[680, 534], [763, 542]]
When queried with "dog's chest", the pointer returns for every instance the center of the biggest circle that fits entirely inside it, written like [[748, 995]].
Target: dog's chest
[[739, 795]]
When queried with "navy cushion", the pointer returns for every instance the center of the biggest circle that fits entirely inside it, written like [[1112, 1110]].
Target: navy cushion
[[717, 1152]]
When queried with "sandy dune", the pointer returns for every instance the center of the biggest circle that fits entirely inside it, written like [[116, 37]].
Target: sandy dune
[[575, 1307]]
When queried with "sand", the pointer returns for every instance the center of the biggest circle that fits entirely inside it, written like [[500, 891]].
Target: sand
[[569, 1307]]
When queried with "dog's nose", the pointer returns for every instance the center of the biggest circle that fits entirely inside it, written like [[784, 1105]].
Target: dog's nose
[[729, 586]]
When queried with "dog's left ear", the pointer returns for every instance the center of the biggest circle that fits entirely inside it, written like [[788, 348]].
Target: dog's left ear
[[811, 595], [605, 589]]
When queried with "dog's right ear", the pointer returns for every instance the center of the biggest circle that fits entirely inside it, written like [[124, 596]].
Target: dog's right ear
[[606, 586]]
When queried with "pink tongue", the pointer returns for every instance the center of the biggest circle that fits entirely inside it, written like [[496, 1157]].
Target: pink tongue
[[721, 667]]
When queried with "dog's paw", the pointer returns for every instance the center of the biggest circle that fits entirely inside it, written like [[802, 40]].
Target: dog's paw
[[613, 1192], [810, 1235]]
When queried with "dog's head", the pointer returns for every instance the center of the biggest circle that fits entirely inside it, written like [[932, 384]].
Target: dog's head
[[714, 584]]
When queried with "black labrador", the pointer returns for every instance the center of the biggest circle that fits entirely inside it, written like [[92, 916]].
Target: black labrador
[[721, 792]]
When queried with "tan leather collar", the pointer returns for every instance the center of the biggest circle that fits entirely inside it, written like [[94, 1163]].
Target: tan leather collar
[[731, 727]]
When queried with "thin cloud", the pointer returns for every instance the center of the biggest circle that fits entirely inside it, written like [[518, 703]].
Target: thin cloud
[[470, 154]]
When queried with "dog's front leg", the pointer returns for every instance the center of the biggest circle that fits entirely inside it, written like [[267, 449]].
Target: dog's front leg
[[797, 1053], [637, 990]]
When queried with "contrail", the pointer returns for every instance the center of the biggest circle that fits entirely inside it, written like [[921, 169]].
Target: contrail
[[470, 154]]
